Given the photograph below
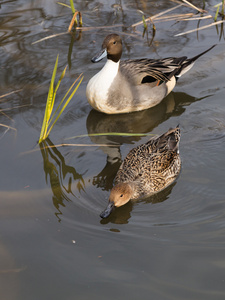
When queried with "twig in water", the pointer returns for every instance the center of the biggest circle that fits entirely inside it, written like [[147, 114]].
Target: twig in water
[[2, 96], [200, 28]]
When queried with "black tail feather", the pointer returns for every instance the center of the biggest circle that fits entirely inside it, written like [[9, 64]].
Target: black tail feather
[[188, 62], [191, 60]]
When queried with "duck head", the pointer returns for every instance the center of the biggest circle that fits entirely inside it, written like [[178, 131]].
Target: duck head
[[111, 47], [120, 195]]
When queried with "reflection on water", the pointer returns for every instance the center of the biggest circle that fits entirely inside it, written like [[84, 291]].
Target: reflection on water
[[61, 175], [139, 122], [104, 179], [75, 36]]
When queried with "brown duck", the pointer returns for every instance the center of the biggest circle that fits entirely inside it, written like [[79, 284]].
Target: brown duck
[[147, 169]]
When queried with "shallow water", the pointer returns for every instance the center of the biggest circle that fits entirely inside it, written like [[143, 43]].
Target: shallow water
[[53, 243]]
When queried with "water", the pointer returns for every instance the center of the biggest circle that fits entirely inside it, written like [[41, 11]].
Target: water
[[53, 243]]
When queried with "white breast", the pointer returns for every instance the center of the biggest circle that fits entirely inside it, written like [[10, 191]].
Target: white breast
[[98, 85]]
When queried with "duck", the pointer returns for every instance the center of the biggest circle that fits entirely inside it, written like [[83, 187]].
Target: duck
[[147, 169], [124, 86]]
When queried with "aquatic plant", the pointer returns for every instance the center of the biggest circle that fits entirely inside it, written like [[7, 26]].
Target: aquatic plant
[[72, 7], [222, 10], [49, 118], [75, 13]]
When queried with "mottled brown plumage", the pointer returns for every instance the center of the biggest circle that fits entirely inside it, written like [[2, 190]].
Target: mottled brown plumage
[[147, 169]]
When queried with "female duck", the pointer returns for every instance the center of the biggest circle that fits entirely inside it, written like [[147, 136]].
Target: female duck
[[147, 169], [132, 85]]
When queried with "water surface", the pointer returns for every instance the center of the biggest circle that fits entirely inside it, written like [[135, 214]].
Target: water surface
[[53, 243]]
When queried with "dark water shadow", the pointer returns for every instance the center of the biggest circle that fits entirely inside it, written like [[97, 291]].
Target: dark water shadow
[[60, 175], [121, 215]]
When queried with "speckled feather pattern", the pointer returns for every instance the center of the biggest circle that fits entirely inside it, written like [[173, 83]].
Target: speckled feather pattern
[[152, 166]]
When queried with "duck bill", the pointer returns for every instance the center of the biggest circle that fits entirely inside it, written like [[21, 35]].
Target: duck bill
[[107, 211], [99, 56]]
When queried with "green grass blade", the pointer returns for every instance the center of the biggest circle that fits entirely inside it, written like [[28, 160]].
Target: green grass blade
[[63, 4], [64, 106], [72, 7], [55, 90], [222, 10], [49, 104], [51, 94], [216, 15], [63, 99], [60, 79], [144, 23]]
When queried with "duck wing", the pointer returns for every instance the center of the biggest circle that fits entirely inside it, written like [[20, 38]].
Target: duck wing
[[130, 168], [168, 141], [157, 153], [148, 70]]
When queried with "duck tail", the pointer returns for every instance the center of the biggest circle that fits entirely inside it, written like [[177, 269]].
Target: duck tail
[[188, 64], [170, 140], [173, 136]]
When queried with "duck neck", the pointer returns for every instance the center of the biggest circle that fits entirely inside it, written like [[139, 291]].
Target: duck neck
[[132, 188], [109, 71], [111, 65], [134, 185]]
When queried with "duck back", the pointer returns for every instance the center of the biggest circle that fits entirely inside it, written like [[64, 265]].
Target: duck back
[[152, 166]]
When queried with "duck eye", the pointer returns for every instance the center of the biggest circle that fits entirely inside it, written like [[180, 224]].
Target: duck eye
[[121, 195], [114, 42]]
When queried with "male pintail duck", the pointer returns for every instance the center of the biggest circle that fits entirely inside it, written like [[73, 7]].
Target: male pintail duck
[[133, 84], [147, 169]]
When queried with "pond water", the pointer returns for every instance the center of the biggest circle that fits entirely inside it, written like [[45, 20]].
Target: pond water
[[53, 244]]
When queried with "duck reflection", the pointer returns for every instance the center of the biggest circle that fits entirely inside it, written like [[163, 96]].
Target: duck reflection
[[139, 122], [61, 175], [121, 215]]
